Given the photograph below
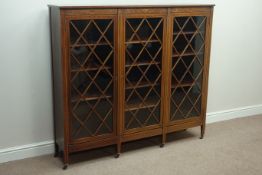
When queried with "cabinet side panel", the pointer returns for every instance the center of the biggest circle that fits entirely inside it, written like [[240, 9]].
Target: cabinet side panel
[[57, 76], [207, 61]]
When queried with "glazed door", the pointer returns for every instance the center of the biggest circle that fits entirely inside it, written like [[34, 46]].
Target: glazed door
[[92, 77], [188, 61], [142, 53]]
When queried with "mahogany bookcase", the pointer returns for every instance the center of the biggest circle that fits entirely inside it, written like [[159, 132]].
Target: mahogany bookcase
[[122, 73]]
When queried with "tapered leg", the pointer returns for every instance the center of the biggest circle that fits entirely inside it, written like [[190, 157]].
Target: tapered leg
[[118, 150], [66, 160], [203, 127], [163, 141], [56, 154]]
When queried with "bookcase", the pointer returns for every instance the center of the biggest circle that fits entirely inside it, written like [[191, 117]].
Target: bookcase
[[122, 73]]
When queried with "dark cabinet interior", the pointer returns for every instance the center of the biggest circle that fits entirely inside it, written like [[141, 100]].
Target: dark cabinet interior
[[143, 56], [187, 66], [91, 77]]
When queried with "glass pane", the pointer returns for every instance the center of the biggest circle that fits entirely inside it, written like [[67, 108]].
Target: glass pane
[[187, 66], [91, 61], [143, 53]]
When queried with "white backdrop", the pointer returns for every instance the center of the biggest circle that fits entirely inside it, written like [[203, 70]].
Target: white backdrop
[[25, 67]]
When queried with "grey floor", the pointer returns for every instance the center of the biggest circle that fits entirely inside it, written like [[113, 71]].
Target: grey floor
[[231, 147]]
